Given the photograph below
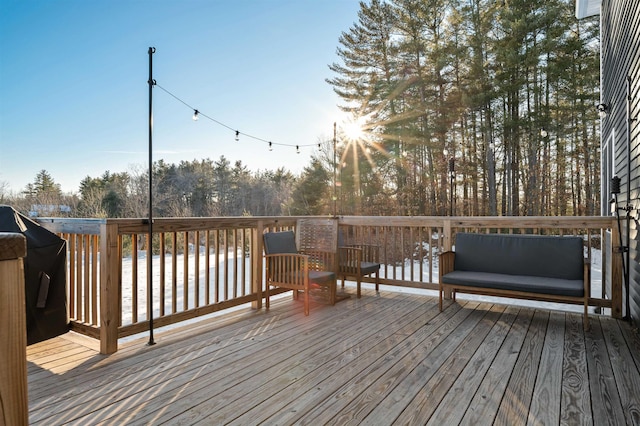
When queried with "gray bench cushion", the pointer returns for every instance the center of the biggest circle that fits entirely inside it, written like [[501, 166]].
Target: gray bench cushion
[[543, 285], [522, 255]]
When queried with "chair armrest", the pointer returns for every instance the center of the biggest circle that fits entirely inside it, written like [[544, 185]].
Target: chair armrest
[[350, 258], [281, 269], [446, 262], [370, 252]]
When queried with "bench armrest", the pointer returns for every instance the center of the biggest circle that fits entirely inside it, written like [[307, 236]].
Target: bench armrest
[[446, 262], [587, 278]]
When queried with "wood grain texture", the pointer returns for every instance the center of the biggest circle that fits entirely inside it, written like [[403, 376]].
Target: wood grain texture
[[387, 358], [12, 246], [13, 332]]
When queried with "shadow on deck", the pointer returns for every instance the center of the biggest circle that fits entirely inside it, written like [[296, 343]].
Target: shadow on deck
[[390, 358]]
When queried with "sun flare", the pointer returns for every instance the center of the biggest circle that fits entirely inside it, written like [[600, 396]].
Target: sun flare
[[354, 129]]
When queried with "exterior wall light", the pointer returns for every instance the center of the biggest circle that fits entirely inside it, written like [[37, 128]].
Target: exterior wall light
[[603, 109]]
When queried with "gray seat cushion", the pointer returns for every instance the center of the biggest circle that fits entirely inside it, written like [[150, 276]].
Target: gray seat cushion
[[366, 268], [321, 277], [532, 284]]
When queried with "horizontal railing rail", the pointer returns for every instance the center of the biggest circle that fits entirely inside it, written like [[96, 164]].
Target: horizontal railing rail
[[198, 266]]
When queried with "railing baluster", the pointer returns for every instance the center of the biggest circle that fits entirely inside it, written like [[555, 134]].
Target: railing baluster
[[225, 233], [162, 282], [79, 288], [216, 242], [196, 268], [94, 280], [174, 273], [134, 278], [207, 266], [86, 278]]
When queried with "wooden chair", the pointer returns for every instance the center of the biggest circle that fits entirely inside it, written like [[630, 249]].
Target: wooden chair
[[357, 261], [311, 271]]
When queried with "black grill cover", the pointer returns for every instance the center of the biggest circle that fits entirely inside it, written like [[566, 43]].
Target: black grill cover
[[45, 276]]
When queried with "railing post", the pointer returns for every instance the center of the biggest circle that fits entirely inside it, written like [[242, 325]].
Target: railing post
[[616, 274], [447, 245], [447, 238], [109, 288], [257, 264], [14, 406]]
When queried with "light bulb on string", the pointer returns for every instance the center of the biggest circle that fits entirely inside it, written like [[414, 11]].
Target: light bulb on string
[[195, 114], [270, 146], [237, 135], [297, 149]]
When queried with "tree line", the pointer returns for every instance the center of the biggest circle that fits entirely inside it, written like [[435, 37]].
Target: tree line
[[468, 107], [196, 188], [473, 107]]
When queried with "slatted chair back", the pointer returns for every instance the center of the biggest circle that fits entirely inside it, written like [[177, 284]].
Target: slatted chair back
[[318, 238], [317, 234]]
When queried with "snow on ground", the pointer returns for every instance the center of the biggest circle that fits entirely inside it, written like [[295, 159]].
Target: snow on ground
[[242, 286]]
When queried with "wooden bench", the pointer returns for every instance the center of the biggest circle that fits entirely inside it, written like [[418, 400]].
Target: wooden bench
[[535, 267]]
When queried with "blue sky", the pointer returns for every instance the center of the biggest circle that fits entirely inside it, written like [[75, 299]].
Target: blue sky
[[74, 93]]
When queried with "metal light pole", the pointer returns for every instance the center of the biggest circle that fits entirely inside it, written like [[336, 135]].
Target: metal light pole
[[335, 175], [452, 177], [152, 83]]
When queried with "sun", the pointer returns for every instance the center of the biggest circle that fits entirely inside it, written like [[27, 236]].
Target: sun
[[354, 129]]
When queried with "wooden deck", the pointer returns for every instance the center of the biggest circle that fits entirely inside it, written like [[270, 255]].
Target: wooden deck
[[383, 359]]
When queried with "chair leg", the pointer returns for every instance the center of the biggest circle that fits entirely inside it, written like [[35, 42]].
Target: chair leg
[[586, 317], [359, 280], [266, 297], [377, 281], [440, 291]]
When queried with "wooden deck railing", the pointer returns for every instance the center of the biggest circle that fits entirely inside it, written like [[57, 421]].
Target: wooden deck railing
[[14, 402], [203, 265]]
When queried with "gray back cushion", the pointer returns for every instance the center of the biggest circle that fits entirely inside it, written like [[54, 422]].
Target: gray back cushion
[[280, 242], [533, 255]]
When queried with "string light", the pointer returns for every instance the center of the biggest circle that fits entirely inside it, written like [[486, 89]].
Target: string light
[[197, 114]]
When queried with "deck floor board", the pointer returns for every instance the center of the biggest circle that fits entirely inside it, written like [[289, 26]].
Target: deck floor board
[[387, 358]]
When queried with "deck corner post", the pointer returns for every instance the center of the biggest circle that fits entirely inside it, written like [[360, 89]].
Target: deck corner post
[[109, 288], [14, 407], [616, 275]]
